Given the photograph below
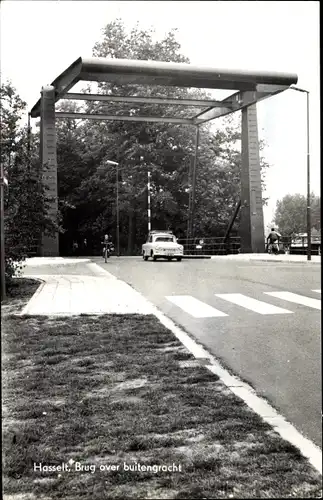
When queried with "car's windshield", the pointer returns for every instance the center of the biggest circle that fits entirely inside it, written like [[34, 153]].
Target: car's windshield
[[165, 238]]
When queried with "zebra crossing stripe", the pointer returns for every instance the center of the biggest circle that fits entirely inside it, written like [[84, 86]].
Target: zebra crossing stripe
[[317, 291], [195, 307], [297, 299], [254, 305]]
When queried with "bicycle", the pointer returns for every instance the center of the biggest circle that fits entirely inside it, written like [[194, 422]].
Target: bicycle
[[273, 248], [108, 248]]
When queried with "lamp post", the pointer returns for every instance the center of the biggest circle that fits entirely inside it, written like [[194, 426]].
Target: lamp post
[[148, 200], [308, 209], [109, 162]]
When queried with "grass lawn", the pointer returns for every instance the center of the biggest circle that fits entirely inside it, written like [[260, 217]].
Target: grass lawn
[[91, 392]]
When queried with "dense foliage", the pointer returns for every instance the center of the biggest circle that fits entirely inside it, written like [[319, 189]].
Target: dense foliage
[[291, 214], [87, 184], [25, 199]]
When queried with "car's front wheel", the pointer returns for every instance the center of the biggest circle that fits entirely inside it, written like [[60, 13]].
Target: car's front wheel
[[179, 259]]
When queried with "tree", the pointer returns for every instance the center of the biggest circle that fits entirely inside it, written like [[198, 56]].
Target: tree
[[316, 213], [25, 200], [291, 214], [218, 178]]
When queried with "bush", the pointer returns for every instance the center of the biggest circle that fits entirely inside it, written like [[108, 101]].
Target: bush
[[14, 269]]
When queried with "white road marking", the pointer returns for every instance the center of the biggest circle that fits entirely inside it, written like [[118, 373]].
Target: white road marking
[[317, 291], [254, 305], [297, 299], [195, 307], [294, 265]]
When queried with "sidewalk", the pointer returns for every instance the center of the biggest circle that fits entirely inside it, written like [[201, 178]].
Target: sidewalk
[[78, 286], [315, 259]]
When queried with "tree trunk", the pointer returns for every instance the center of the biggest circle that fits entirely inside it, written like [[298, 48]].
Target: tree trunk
[[131, 227], [130, 231], [134, 231]]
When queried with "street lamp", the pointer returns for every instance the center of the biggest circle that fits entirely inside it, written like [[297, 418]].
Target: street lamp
[[109, 162], [308, 209], [148, 195]]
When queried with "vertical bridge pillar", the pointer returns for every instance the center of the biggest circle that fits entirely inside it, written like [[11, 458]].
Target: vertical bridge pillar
[[48, 157], [252, 218]]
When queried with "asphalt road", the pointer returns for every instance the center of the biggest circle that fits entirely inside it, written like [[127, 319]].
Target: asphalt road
[[279, 354]]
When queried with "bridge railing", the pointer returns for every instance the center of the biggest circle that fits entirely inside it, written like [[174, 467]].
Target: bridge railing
[[32, 250], [210, 246], [299, 245], [217, 246]]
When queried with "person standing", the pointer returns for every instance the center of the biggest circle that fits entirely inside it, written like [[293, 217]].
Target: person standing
[[75, 247], [84, 246]]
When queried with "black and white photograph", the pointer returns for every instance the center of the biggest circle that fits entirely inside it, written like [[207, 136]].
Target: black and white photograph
[[160, 249]]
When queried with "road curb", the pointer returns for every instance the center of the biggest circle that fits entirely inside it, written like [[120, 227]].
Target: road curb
[[245, 392], [219, 258], [196, 257], [42, 283]]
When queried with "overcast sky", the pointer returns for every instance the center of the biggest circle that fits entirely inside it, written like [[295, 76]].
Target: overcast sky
[[41, 39]]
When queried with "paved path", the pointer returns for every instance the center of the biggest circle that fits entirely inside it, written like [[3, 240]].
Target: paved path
[[72, 287]]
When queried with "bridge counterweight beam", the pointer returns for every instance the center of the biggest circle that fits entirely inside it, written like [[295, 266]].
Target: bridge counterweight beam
[[252, 218], [48, 156]]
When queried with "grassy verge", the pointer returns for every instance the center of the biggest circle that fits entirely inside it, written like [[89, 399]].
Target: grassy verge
[[120, 390], [19, 291]]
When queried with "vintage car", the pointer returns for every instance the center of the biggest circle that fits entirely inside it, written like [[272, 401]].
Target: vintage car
[[162, 244]]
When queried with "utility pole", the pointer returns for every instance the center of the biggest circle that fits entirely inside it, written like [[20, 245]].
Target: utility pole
[[116, 164], [118, 222], [308, 204], [189, 199], [308, 211], [194, 181]]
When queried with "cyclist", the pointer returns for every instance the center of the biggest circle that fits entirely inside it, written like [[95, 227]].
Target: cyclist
[[273, 238], [107, 243]]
